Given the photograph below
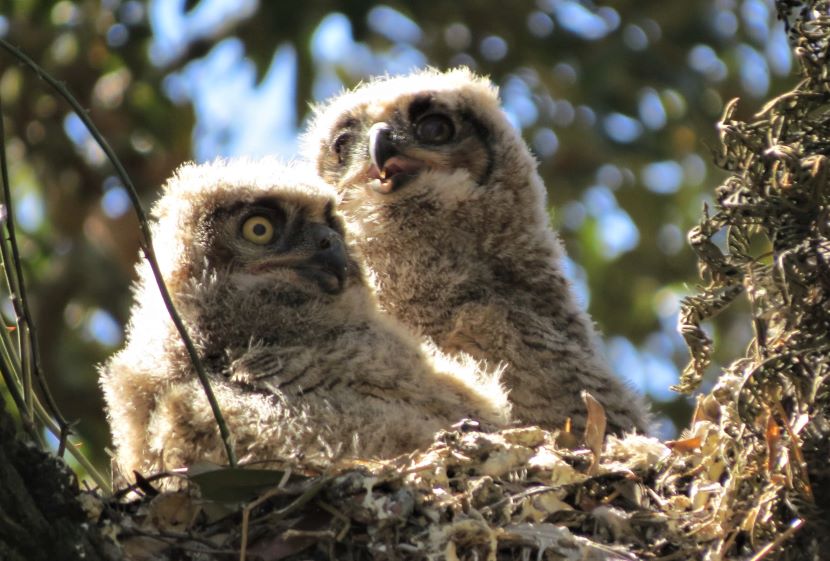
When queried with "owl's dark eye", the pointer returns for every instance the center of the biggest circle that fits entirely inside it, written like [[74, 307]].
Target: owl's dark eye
[[339, 146], [435, 129]]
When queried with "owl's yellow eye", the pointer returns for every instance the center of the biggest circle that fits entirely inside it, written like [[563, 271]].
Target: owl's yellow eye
[[258, 229]]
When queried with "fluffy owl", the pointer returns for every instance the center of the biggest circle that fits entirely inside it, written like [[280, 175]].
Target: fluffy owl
[[304, 366], [448, 212]]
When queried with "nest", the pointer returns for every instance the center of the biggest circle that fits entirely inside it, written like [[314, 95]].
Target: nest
[[517, 494]]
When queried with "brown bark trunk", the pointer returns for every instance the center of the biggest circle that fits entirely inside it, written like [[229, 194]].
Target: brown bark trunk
[[40, 516]]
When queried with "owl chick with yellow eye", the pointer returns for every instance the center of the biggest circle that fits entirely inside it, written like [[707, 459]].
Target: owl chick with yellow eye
[[448, 212], [303, 365]]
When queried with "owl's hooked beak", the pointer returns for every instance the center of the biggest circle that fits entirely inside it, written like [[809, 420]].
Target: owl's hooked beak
[[318, 254], [329, 264], [390, 167]]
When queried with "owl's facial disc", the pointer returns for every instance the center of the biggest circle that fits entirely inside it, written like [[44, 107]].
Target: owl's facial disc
[[425, 137], [408, 146], [278, 243]]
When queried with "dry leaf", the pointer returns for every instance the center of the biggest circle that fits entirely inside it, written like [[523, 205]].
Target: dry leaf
[[685, 444], [594, 429], [772, 435]]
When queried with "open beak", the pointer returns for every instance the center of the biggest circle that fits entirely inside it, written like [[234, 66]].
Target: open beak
[[390, 168]]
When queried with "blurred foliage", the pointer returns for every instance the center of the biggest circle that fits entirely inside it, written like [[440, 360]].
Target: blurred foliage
[[618, 101]]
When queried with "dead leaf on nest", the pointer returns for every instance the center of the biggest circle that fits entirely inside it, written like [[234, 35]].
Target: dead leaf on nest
[[92, 505], [507, 459], [685, 444], [538, 507], [594, 429], [311, 528], [561, 472], [707, 408], [466, 533]]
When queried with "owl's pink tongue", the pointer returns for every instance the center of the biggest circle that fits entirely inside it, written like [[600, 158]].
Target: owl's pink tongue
[[400, 164], [396, 170]]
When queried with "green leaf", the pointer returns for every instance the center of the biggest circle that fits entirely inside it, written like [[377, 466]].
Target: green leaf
[[232, 485]]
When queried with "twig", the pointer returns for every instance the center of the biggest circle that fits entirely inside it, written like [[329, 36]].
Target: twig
[[796, 449], [312, 491], [43, 416], [121, 493], [246, 518], [17, 397], [795, 525], [314, 534], [7, 363], [347, 523], [521, 495], [28, 404], [145, 240], [178, 540], [26, 332]]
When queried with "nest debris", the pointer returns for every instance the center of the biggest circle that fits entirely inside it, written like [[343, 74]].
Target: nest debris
[[516, 494]]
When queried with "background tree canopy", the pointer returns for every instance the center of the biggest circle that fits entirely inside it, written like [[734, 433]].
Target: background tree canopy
[[617, 100]]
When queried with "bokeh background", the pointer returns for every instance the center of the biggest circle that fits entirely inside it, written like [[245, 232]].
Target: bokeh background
[[618, 100]]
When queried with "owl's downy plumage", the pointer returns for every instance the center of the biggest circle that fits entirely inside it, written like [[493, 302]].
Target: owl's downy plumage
[[303, 365], [448, 211]]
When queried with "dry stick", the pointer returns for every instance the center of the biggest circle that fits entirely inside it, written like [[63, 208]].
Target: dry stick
[[795, 525], [145, 241], [312, 491]]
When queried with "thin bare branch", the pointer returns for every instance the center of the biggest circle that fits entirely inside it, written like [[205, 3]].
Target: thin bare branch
[[145, 241]]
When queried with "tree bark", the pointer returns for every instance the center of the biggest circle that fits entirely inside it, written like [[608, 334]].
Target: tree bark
[[40, 515]]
